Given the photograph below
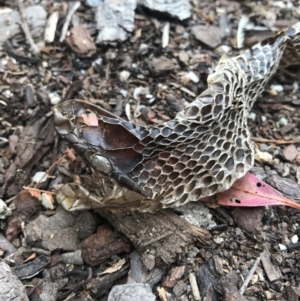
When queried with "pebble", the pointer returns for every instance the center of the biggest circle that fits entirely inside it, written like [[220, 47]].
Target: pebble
[[268, 295], [44, 64], [131, 292], [286, 170], [110, 55], [39, 177], [263, 157], [72, 258], [223, 49], [263, 119], [282, 122], [263, 147], [252, 116], [183, 57], [193, 77], [254, 279], [124, 75], [97, 62], [277, 88], [282, 247], [218, 240], [294, 239], [4, 210], [295, 87], [54, 98], [47, 201], [7, 93], [290, 152]]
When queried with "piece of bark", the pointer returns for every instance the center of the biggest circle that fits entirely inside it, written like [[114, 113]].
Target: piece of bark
[[209, 35], [291, 294], [208, 279], [36, 17], [173, 276], [272, 271], [26, 206], [32, 268], [285, 185], [103, 245], [114, 20], [42, 133], [176, 8], [100, 285], [47, 291], [229, 286], [249, 218], [161, 236], [58, 232], [138, 273], [11, 288]]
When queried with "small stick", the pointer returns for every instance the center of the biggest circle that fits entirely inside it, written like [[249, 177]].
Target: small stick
[[165, 35], [50, 29], [279, 142], [194, 286], [73, 6], [247, 280], [33, 48]]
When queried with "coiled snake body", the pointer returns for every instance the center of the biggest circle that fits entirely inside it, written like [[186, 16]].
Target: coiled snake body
[[199, 153]]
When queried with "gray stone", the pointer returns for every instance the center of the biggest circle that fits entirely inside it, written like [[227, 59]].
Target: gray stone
[[131, 292], [11, 288]]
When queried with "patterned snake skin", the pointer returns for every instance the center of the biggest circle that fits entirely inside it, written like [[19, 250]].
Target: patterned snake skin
[[199, 153]]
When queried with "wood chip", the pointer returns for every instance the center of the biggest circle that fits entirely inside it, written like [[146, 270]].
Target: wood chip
[[273, 272], [209, 35]]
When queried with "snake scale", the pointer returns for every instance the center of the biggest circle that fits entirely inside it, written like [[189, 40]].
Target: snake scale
[[199, 153]]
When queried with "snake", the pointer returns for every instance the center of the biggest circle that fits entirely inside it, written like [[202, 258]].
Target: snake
[[199, 153]]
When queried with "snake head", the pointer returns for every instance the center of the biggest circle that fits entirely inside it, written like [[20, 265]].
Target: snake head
[[104, 141]]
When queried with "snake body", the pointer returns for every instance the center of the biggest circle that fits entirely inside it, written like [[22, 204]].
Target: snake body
[[199, 153]]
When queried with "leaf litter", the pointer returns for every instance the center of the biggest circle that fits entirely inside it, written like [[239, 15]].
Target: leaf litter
[[156, 50]]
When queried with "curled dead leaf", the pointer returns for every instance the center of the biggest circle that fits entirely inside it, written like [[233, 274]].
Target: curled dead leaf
[[250, 191]]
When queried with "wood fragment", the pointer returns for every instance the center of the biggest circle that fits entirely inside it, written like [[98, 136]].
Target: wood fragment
[[194, 286], [165, 35], [163, 234], [50, 29], [272, 271], [247, 280]]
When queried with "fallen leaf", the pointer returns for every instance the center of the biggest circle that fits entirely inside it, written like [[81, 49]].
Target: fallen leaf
[[32, 256], [90, 119], [34, 192], [116, 267], [250, 191]]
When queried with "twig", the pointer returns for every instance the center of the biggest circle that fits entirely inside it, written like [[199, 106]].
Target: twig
[[49, 169], [194, 286], [73, 6], [247, 280], [38, 190], [165, 35], [33, 48], [50, 29], [279, 142]]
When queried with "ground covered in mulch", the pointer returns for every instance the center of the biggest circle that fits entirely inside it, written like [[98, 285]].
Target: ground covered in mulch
[[144, 66]]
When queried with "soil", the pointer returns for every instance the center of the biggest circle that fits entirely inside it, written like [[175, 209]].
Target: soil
[[146, 73]]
